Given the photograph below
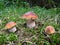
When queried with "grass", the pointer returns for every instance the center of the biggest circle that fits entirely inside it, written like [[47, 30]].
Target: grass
[[47, 17]]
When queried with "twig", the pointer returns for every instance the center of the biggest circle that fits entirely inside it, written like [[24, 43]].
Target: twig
[[47, 37]]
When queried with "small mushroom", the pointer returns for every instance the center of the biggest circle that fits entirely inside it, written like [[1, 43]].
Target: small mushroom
[[49, 30], [11, 26], [30, 17]]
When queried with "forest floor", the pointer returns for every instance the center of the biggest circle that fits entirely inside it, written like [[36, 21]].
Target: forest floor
[[32, 36]]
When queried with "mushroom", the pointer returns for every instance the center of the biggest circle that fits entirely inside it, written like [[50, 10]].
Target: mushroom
[[11, 26], [49, 30], [30, 17]]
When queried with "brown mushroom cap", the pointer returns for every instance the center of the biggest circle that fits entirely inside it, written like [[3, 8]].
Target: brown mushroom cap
[[49, 30], [10, 25], [29, 15]]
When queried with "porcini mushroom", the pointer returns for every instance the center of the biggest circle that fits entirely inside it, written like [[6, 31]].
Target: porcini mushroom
[[49, 30], [11, 26], [30, 17]]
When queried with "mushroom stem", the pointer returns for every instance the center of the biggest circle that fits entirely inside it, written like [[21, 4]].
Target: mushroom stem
[[31, 23], [12, 29]]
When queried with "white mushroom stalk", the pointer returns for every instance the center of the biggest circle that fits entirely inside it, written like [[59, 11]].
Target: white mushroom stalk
[[12, 29], [31, 24]]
